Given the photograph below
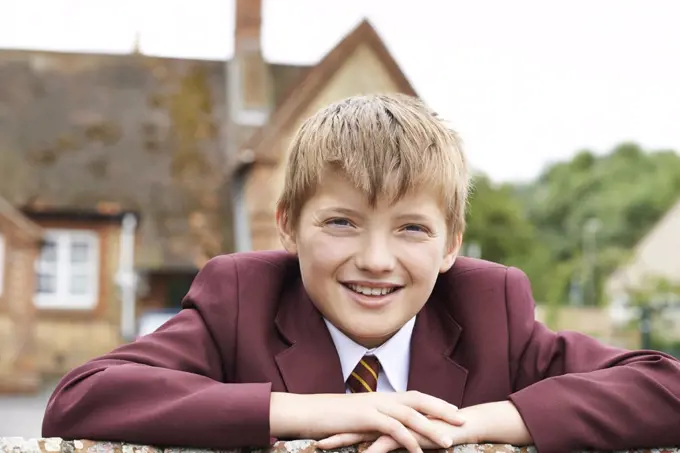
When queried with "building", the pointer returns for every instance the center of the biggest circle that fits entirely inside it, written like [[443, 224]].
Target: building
[[122, 175], [652, 273]]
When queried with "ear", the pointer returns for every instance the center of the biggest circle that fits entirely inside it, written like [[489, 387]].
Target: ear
[[286, 234], [451, 253]]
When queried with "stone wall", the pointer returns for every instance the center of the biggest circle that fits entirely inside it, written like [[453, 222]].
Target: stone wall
[[53, 445]]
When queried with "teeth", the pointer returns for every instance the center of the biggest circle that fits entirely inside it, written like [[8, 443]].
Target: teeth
[[367, 291]]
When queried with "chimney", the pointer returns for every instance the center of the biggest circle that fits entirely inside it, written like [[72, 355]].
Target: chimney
[[249, 101], [249, 88]]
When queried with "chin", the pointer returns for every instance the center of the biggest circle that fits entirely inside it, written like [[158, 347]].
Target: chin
[[375, 336]]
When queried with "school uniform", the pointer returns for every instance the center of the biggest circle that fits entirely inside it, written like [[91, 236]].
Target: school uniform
[[248, 328]]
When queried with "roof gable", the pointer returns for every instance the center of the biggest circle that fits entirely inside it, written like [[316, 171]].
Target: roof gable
[[261, 146], [651, 257]]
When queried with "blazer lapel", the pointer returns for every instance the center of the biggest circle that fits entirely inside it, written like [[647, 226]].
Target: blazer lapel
[[310, 364], [432, 369]]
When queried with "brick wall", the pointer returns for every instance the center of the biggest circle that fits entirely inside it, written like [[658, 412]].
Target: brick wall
[[17, 315]]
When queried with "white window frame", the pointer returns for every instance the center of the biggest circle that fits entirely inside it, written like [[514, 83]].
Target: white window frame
[[62, 270], [3, 255]]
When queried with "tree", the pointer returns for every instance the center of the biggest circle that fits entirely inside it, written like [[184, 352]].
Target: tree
[[578, 221], [498, 224], [626, 190], [496, 221]]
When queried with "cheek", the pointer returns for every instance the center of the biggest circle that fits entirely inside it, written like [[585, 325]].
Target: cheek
[[324, 253], [423, 262]]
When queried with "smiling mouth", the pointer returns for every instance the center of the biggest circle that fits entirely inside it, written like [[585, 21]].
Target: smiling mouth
[[371, 291]]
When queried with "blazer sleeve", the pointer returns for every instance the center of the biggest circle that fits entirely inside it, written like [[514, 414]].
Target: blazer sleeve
[[575, 393], [169, 388]]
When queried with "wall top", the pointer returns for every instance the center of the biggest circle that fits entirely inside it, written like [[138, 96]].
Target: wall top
[[56, 445]]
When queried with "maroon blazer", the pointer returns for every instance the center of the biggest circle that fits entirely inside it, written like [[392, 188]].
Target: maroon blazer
[[248, 328]]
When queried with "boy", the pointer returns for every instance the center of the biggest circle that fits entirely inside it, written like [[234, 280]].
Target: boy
[[368, 327]]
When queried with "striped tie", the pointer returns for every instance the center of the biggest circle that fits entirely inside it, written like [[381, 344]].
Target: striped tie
[[364, 378]]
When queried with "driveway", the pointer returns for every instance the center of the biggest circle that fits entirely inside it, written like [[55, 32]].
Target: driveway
[[21, 416]]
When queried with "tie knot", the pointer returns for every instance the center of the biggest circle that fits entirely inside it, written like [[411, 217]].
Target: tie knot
[[364, 378]]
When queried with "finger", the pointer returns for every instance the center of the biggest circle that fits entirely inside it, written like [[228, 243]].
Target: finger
[[398, 432], [383, 444], [463, 435], [425, 443], [433, 407], [344, 440], [420, 424]]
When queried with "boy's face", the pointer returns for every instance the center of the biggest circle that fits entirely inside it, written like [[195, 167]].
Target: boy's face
[[369, 269]]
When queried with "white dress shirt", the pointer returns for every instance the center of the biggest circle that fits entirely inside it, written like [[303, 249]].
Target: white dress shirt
[[394, 356]]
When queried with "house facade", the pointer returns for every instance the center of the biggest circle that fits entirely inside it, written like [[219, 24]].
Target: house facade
[[78, 295], [61, 290], [122, 175], [652, 273]]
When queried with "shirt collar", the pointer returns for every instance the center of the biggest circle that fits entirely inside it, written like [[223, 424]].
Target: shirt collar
[[394, 354]]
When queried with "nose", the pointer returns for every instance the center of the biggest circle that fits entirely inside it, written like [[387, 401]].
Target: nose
[[375, 256]]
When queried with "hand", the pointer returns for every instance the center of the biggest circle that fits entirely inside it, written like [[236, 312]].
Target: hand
[[383, 443], [492, 422], [401, 416]]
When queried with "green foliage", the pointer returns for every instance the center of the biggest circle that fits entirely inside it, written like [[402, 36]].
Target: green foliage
[[542, 226], [497, 220], [498, 223]]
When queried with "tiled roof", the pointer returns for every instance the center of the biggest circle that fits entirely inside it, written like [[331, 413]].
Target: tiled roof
[[144, 133]]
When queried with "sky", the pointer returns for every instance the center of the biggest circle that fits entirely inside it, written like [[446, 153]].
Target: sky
[[525, 83]]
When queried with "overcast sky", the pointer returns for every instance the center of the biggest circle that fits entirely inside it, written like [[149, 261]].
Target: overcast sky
[[525, 82]]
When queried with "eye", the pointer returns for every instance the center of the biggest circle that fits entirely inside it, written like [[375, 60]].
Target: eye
[[415, 228], [339, 222]]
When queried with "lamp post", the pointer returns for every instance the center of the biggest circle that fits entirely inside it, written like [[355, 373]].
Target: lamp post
[[590, 229]]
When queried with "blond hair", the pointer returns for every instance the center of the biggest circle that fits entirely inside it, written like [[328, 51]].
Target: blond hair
[[386, 145]]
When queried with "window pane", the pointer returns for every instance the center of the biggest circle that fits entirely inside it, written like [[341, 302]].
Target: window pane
[[47, 284], [79, 252], [47, 267], [48, 252], [80, 284]]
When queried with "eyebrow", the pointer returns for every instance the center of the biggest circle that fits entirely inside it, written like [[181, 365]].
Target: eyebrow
[[340, 210], [413, 217]]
